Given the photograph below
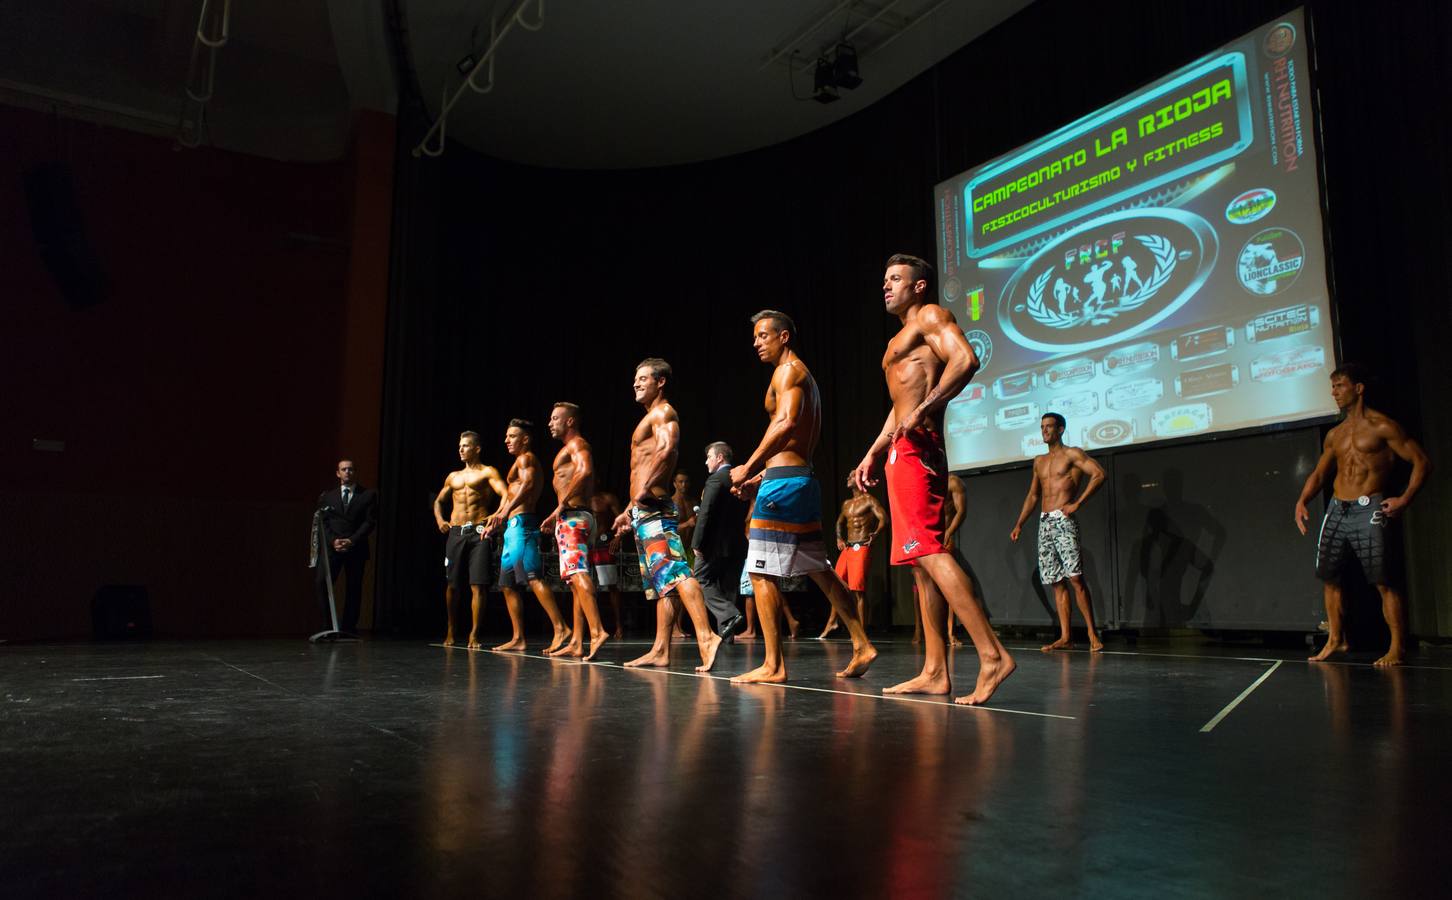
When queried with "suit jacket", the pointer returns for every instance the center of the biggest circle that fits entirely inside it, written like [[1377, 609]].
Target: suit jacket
[[356, 523], [719, 524]]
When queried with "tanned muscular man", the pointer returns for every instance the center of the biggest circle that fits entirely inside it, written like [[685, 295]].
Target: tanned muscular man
[[927, 363], [574, 526], [466, 554], [785, 536], [519, 561], [1054, 487], [1361, 520], [654, 447], [859, 522]]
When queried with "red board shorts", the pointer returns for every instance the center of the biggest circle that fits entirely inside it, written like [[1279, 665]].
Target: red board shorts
[[852, 566], [917, 482]]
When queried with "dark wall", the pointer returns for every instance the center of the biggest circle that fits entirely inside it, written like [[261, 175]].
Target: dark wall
[[515, 287], [190, 397]]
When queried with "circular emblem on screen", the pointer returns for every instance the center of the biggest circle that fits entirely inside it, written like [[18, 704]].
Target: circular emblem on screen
[[982, 346], [952, 289], [1110, 432], [1251, 206], [1280, 39], [1107, 280], [1271, 261]]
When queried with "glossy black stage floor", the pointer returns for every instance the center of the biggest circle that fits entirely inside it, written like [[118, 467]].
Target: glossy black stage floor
[[405, 770]]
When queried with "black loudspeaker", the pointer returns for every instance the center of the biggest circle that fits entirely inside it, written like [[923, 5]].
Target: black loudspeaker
[[120, 612], [60, 235]]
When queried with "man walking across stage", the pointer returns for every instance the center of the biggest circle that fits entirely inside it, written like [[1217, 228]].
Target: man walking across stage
[[654, 446], [1360, 520], [519, 561], [349, 515], [466, 553], [859, 523], [1054, 483], [926, 364], [574, 525], [785, 537], [719, 543]]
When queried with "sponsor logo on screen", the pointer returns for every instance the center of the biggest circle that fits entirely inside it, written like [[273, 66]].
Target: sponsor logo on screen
[[1134, 394], [1279, 323], [1070, 372], [1251, 206], [970, 395], [962, 426], [1131, 359], [1076, 406], [1107, 280], [1280, 39], [1271, 261], [1018, 415], [1187, 418], [1288, 364], [982, 345], [1109, 433]]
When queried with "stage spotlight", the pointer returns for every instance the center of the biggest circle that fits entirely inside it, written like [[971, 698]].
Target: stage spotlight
[[824, 88], [844, 67]]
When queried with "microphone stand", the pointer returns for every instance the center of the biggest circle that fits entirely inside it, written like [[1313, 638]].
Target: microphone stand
[[320, 542]]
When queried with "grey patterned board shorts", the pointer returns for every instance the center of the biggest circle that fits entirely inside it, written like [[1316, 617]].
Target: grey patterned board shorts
[[1058, 547], [1357, 529]]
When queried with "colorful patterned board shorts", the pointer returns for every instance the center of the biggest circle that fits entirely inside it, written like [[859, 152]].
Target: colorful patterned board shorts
[[1058, 547], [574, 532], [785, 534], [662, 557]]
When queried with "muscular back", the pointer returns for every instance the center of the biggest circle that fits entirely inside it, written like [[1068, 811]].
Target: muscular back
[[917, 355], [654, 446], [576, 448], [793, 392], [1363, 452], [525, 482]]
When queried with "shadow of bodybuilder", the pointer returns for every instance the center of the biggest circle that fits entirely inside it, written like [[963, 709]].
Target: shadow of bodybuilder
[[1176, 551]]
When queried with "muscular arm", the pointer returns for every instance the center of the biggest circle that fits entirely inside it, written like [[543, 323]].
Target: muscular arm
[[514, 499], [499, 486], [960, 500], [880, 513], [791, 396], [1086, 464], [583, 459], [1409, 450], [840, 530], [946, 340], [1029, 502], [439, 509], [1314, 481]]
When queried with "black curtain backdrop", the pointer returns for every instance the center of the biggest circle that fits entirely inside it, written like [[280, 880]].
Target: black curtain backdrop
[[515, 287]]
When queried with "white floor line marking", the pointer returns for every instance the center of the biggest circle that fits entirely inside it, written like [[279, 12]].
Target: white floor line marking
[[1267, 659], [1210, 725], [119, 678], [795, 687]]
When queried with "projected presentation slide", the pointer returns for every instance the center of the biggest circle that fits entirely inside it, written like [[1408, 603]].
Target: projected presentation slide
[[1154, 270]]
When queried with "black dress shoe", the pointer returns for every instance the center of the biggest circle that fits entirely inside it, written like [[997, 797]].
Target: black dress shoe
[[732, 627]]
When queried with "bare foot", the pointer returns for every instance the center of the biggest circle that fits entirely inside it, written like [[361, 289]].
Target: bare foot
[[926, 683], [762, 675], [678, 635], [859, 662], [1331, 647], [597, 640], [954, 642], [1393, 658], [448, 640], [1095, 644], [573, 648], [652, 658], [792, 626], [917, 639], [474, 643], [826, 631], [562, 637], [746, 636], [619, 634], [513, 644], [708, 655], [990, 676], [1060, 644]]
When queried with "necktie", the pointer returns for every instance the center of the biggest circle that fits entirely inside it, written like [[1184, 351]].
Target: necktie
[[347, 496]]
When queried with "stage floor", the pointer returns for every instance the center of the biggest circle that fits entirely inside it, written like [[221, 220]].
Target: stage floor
[[392, 768]]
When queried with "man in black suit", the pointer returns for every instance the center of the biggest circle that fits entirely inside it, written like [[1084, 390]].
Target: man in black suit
[[719, 542], [349, 515]]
